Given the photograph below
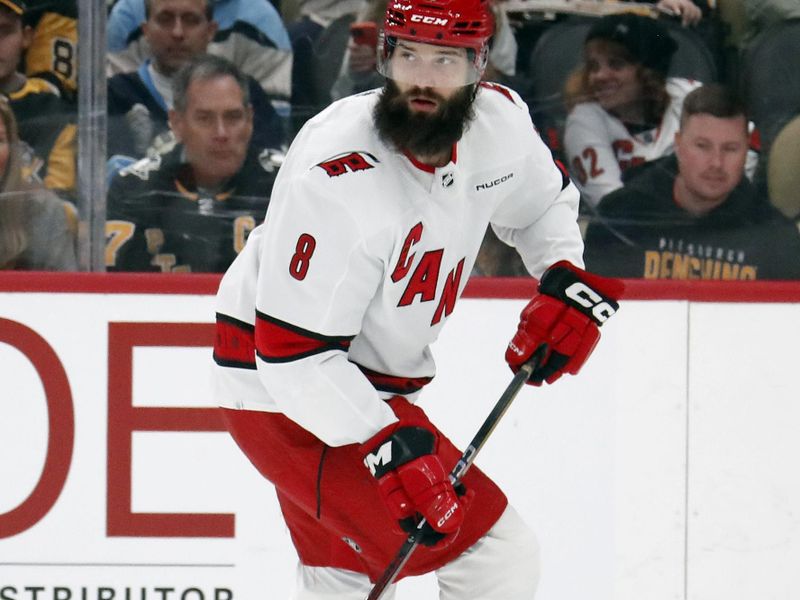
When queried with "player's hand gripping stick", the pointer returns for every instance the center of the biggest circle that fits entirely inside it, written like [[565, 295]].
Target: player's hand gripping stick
[[467, 458], [412, 481]]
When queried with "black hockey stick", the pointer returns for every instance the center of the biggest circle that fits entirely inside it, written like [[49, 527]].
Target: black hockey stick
[[464, 463]]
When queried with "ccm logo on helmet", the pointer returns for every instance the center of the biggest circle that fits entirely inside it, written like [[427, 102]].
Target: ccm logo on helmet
[[588, 298], [429, 20]]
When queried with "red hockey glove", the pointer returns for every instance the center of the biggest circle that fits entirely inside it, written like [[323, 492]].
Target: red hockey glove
[[412, 481], [565, 314]]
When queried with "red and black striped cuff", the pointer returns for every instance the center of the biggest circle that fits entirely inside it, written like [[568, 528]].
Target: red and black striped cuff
[[234, 343]]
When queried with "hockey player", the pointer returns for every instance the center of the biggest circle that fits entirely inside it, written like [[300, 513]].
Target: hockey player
[[325, 319]]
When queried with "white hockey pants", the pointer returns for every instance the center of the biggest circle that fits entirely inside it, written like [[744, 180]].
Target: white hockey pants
[[502, 565]]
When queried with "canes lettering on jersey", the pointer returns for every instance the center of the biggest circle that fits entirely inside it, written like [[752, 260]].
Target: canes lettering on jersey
[[404, 263], [424, 281]]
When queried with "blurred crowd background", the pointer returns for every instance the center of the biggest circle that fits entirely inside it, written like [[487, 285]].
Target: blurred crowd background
[[145, 135]]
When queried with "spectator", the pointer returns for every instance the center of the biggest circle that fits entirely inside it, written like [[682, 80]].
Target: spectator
[[687, 11], [358, 72], [315, 15], [763, 14], [191, 208], [176, 31], [53, 52], [306, 34], [46, 124], [694, 215], [34, 230], [358, 67], [250, 34], [624, 109]]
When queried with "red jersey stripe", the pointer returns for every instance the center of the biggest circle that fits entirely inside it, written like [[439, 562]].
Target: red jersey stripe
[[498, 88], [278, 341], [393, 383], [234, 343]]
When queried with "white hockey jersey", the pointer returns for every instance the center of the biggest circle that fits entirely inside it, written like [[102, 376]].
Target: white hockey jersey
[[333, 303], [599, 147]]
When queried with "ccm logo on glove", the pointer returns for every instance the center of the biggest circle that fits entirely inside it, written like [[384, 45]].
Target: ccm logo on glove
[[565, 314], [588, 298]]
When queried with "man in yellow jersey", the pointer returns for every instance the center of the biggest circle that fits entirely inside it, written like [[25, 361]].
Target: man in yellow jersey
[[46, 121]]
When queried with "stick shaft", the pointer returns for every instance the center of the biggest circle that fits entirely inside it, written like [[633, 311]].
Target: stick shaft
[[463, 464]]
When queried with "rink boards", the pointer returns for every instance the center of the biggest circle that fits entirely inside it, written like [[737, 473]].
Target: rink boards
[[667, 469]]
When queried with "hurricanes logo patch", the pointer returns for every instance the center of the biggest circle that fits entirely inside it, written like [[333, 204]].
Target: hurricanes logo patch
[[348, 162]]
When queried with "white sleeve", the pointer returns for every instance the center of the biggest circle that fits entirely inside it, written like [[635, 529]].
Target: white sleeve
[[317, 276], [541, 225], [592, 162]]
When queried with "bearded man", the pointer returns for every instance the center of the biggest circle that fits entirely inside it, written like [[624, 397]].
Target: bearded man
[[324, 321]]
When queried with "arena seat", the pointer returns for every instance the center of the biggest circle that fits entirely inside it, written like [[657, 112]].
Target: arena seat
[[769, 82], [783, 170]]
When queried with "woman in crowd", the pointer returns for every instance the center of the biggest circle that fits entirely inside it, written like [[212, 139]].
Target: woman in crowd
[[34, 231], [624, 110]]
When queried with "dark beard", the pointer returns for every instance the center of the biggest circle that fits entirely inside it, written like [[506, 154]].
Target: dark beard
[[422, 134]]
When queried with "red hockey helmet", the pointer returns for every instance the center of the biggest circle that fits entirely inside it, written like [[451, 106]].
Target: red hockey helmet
[[459, 23]]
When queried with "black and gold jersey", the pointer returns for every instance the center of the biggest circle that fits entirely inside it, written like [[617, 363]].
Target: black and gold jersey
[[159, 220], [53, 53], [47, 130]]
